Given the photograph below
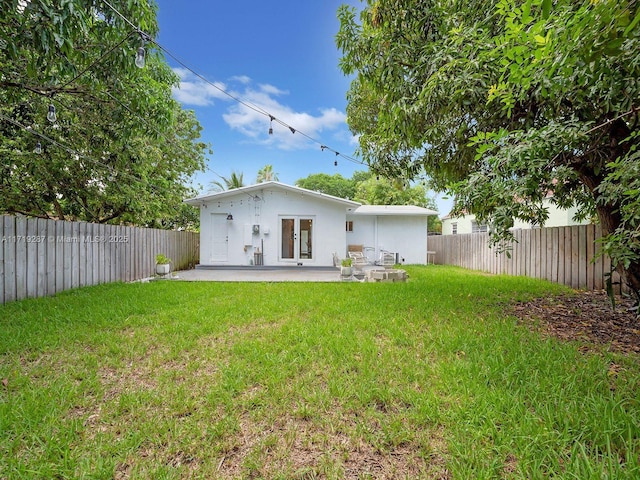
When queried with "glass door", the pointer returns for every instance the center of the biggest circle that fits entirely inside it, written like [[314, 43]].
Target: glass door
[[296, 238]]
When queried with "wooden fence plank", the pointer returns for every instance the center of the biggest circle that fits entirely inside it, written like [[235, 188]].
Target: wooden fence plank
[[83, 246], [21, 258], [598, 279], [41, 237], [31, 249], [591, 230], [582, 257], [75, 254], [59, 249], [575, 258], [3, 240], [10, 291]]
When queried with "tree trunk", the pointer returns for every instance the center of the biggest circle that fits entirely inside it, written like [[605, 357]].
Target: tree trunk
[[609, 214]]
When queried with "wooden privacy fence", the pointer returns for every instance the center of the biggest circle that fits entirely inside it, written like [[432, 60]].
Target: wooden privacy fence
[[40, 257], [559, 254]]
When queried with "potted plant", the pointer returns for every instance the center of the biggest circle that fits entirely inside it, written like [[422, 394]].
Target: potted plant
[[345, 267], [163, 264]]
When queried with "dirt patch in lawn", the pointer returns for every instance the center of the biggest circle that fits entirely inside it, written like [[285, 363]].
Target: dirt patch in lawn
[[295, 448], [587, 317]]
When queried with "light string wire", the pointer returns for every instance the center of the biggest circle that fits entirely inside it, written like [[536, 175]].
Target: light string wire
[[248, 105], [81, 155]]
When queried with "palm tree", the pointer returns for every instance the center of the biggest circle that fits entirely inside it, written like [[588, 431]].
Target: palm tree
[[234, 181], [266, 174]]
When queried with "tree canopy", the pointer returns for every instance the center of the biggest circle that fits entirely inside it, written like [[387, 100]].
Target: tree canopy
[[121, 148], [370, 189], [501, 102], [335, 184]]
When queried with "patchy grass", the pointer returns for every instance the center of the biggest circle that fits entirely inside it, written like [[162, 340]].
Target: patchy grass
[[428, 379]]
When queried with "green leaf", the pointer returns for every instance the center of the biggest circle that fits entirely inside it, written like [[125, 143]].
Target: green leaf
[[546, 8], [633, 24]]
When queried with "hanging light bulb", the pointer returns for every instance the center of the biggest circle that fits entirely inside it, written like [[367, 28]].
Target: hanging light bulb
[[293, 130], [38, 149], [335, 163], [51, 114], [140, 57], [271, 119]]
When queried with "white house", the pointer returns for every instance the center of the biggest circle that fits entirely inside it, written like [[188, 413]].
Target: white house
[[468, 224], [276, 224]]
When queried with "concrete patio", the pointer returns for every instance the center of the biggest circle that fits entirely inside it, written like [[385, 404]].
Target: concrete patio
[[284, 274], [259, 274]]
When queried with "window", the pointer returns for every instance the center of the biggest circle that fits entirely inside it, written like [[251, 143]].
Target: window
[[475, 228], [454, 229], [349, 226]]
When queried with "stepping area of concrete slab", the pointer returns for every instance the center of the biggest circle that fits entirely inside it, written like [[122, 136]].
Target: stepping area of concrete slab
[[277, 274]]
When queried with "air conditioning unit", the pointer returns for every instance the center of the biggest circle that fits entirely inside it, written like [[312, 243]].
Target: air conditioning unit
[[256, 229]]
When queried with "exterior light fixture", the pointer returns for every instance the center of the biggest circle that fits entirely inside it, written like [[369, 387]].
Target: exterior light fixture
[[229, 217]]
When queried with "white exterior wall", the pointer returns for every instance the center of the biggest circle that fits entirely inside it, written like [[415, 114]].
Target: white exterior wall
[[404, 234], [328, 231]]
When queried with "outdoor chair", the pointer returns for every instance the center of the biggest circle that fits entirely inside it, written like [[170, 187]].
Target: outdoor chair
[[358, 259], [387, 259]]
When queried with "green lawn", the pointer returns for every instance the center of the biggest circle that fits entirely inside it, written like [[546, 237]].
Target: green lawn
[[426, 379]]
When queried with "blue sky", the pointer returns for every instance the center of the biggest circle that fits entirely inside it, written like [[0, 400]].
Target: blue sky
[[280, 56]]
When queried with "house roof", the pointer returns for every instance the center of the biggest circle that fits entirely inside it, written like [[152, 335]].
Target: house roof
[[409, 210], [258, 187]]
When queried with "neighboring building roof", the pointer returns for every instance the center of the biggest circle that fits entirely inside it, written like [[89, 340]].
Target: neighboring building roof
[[252, 189], [392, 210]]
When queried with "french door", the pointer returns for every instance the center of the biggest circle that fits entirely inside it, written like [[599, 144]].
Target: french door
[[296, 238]]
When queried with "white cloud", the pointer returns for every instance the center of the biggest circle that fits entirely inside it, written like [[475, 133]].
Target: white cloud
[[195, 91], [241, 79], [252, 119]]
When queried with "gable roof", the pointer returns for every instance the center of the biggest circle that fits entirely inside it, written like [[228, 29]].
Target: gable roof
[[408, 210], [258, 187]]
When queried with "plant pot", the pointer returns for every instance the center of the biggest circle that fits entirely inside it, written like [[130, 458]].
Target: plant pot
[[163, 268], [346, 271]]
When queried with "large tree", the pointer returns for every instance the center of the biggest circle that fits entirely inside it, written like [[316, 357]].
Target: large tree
[[335, 184], [501, 102], [121, 148], [378, 190]]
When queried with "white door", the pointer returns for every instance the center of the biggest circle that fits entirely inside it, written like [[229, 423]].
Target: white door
[[219, 237], [296, 238]]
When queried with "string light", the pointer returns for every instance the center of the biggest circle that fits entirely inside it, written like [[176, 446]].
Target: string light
[[51, 114], [140, 57], [38, 149], [142, 53], [140, 63]]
